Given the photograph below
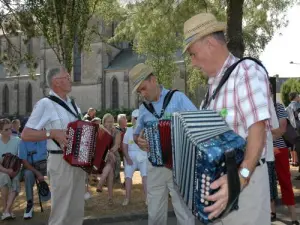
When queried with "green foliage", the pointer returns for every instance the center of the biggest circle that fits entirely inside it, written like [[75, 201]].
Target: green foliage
[[291, 85], [156, 29]]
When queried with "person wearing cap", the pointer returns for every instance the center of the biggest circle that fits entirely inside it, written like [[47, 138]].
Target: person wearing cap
[[159, 179], [36, 169], [245, 101], [135, 159]]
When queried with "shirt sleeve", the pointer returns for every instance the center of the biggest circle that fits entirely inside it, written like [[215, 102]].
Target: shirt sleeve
[[39, 116], [252, 96], [126, 137], [22, 150], [139, 122]]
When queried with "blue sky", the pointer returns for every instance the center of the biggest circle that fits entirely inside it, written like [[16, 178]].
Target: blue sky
[[284, 48]]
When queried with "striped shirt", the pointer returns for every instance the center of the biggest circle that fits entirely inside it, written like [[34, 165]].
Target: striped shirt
[[245, 97], [178, 103], [281, 114]]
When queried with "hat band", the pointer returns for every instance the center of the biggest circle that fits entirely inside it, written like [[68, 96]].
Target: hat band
[[141, 78], [201, 25]]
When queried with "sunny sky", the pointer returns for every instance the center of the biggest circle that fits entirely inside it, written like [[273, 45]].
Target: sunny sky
[[285, 48]]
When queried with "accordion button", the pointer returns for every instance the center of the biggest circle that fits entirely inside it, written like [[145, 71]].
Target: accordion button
[[203, 181], [223, 164], [207, 183], [222, 174], [207, 193], [202, 191], [208, 178], [202, 186], [207, 188], [206, 203], [203, 176], [202, 200]]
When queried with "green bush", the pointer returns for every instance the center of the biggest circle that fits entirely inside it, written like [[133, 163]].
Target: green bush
[[291, 85]]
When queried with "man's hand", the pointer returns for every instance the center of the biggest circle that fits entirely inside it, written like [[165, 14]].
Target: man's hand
[[142, 142], [220, 198], [60, 136], [129, 161], [40, 177]]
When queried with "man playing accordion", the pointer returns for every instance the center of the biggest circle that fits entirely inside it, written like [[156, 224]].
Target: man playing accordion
[[160, 181], [244, 102], [67, 182]]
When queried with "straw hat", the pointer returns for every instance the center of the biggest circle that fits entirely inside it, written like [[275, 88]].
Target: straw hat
[[199, 26], [138, 74]]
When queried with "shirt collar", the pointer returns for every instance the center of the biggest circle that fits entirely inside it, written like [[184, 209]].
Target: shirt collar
[[51, 92], [228, 62]]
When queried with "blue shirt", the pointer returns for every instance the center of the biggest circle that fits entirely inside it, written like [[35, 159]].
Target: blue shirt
[[179, 103], [28, 146]]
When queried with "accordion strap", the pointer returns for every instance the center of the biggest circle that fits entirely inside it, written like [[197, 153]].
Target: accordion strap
[[166, 102], [234, 185], [225, 77], [65, 106]]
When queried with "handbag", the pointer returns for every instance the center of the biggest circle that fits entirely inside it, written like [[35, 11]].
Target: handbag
[[11, 161], [290, 135]]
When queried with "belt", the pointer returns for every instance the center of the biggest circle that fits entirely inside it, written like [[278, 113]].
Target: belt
[[261, 162], [55, 151]]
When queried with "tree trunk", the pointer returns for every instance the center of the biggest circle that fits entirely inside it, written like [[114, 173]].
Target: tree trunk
[[235, 28]]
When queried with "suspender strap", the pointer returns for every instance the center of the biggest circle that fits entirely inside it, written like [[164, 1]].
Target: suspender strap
[[65, 106], [166, 102], [225, 77]]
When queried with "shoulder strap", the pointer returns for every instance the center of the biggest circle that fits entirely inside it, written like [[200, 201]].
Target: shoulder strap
[[225, 77], [166, 102], [64, 105]]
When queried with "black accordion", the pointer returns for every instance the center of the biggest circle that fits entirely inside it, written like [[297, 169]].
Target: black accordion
[[204, 148]]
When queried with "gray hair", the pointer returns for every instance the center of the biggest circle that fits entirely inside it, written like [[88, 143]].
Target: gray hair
[[219, 36], [121, 116], [52, 73]]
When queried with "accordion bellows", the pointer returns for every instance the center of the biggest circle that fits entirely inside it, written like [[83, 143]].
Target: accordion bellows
[[200, 141], [88, 145]]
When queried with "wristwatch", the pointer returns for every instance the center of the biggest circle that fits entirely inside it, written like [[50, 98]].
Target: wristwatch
[[245, 173], [48, 134]]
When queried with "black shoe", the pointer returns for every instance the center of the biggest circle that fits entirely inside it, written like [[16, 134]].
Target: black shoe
[[295, 222], [273, 217]]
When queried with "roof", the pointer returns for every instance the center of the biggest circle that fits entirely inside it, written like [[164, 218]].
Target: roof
[[126, 59]]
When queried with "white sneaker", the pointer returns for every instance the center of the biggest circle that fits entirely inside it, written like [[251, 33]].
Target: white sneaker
[[87, 196], [6, 216], [28, 213], [125, 202]]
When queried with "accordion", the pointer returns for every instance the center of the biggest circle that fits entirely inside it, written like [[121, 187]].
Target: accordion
[[158, 135], [11, 161], [88, 145], [204, 148]]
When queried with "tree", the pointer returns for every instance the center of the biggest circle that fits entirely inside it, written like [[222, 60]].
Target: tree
[[291, 85], [65, 24], [156, 27]]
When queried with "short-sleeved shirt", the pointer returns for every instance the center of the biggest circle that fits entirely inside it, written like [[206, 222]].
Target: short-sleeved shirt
[[128, 139], [11, 146], [50, 115], [39, 149], [178, 103], [281, 114], [245, 96]]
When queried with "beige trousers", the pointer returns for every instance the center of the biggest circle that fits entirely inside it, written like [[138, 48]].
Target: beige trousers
[[254, 202], [67, 186], [159, 185]]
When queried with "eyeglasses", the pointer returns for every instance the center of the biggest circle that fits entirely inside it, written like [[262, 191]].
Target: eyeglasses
[[66, 77]]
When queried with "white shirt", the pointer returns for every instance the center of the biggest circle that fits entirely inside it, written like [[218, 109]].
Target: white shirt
[[275, 124], [50, 115], [128, 139]]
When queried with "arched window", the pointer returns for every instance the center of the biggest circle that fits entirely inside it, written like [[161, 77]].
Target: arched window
[[115, 93], [29, 98], [5, 100]]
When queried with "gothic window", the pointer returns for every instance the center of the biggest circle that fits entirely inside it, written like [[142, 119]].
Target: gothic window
[[5, 100], [29, 98], [115, 93], [29, 47]]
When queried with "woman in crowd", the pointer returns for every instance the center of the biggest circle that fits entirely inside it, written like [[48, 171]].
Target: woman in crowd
[[108, 170], [9, 180]]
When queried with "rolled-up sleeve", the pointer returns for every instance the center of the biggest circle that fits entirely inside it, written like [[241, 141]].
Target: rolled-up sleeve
[[139, 122], [251, 97], [39, 116]]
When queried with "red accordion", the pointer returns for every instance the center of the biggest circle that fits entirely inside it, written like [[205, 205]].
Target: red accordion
[[158, 135], [11, 161], [88, 146]]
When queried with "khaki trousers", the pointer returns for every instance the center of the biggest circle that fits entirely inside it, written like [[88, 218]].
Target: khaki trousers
[[254, 202], [159, 185], [67, 186]]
